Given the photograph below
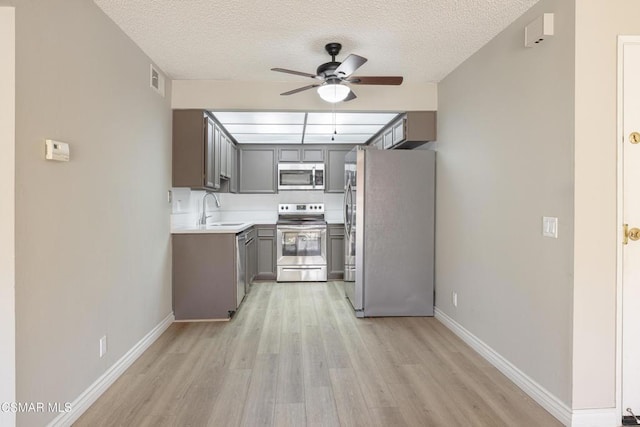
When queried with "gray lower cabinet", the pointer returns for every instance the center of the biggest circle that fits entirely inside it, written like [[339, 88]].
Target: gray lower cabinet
[[204, 276], [266, 252], [258, 170], [335, 169], [335, 251]]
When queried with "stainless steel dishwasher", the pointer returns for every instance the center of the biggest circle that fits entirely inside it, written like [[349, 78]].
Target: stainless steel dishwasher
[[251, 259], [241, 272]]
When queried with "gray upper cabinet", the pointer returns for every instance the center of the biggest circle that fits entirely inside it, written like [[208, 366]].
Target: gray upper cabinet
[[194, 150], [233, 168], [257, 170], [212, 179], [213, 173], [301, 154], [312, 155], [258, 165], [377, 143], [409, 130], [335, 169], [224, 155], [418, 127], [229, 157], [387, 138], [286, 154]]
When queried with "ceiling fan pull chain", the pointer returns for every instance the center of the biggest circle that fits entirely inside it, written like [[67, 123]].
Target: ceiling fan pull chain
[[333, 116]]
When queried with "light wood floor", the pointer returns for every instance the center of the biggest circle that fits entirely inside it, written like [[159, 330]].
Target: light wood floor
[[295, 355]]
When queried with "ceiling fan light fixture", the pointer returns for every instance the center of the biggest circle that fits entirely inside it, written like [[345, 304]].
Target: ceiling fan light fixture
[[333, 92]]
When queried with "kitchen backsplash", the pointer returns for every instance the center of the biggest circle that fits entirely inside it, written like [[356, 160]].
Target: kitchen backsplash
[[187, 205]]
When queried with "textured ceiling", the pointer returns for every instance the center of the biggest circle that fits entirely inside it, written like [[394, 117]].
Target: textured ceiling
[[422, 40]]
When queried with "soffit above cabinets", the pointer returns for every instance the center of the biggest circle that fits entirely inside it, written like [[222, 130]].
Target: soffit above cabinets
[[255, 127]]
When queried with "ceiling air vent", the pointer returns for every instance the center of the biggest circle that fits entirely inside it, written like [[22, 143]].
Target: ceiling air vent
[[156, 80]]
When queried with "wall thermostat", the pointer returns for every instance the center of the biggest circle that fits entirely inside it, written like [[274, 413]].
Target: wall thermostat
[[56, 150]]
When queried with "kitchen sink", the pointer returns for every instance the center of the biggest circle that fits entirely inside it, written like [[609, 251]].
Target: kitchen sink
[[225, 224]]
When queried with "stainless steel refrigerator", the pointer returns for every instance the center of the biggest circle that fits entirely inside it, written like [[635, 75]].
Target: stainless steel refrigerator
[[389, 231]]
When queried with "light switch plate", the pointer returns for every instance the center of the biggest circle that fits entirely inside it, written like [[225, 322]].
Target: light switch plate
[[550, 226], [103, 346]]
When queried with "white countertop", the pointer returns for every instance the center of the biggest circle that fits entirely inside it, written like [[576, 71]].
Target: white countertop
[[212, 228], [233, 221]]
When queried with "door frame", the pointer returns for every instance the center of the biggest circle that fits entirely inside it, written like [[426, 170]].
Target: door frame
[[7, 212], [622, 40]]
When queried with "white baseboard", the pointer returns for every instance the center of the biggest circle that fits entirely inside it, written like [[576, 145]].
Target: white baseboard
[[95, 390], [548, 401], [608, 417]]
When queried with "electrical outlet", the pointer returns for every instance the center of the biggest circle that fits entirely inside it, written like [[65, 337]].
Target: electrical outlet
[[454, 298], [103, 346]]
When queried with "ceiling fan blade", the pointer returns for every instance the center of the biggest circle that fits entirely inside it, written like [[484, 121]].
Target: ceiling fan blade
[[380, 80], [297, 73], [349, 65], [300, 89], [349, 97]]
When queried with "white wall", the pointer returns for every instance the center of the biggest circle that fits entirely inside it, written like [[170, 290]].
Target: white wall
[[92, 235], [234, 95], [505, 159], [598, 23], [256, 208], [7, 212]]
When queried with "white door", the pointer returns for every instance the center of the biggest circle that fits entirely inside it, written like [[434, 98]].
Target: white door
[[630, 91], [7, 214]]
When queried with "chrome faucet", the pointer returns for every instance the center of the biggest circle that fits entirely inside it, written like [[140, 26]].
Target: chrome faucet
[[204, 216]]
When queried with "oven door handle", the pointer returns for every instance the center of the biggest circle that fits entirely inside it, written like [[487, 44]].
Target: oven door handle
[[295, 228]]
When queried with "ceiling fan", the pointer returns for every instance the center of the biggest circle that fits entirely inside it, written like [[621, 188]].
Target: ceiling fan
[[336, 75]]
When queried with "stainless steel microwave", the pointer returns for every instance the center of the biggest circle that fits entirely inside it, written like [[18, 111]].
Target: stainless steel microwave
[[301, 176]]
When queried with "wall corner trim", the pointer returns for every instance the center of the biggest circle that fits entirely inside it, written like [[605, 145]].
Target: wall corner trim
[[95, 390], [548, 401]]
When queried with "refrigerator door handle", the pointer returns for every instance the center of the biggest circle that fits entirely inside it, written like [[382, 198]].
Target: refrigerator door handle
[[347, 194]]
